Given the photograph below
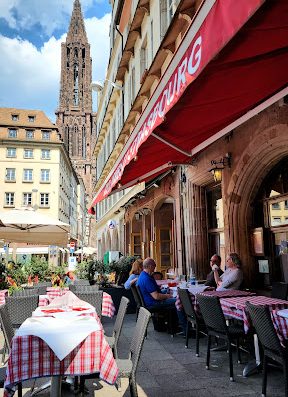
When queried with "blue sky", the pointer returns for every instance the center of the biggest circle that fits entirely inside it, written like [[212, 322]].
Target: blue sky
[[31, 32]]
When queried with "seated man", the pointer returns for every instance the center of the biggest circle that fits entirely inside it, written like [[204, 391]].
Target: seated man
[[150, 291], [152, 295], [215, 260]]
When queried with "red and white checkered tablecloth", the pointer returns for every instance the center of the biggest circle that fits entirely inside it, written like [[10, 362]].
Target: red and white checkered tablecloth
[[212, 292], [31, 357], [54, 292], [108, 308], [3, 294], [236, 307]]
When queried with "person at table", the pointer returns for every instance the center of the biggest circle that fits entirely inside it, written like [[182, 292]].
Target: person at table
[[214, 261], [68, 279], [136, 269], [151, 292], [157, 276], [232, 277]]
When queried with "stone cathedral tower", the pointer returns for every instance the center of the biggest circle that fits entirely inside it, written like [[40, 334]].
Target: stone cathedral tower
[[75, 119]]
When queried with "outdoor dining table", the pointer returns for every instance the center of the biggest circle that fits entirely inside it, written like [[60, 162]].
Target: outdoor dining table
[[108, 308], [210, 291], [236, 308], [31, 357]]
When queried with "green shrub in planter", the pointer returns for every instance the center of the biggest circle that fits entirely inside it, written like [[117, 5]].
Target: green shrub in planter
[[122, 268], [37, 267], [82, 270]]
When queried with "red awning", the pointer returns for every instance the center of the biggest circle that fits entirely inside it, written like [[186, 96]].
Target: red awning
[[249, 69]]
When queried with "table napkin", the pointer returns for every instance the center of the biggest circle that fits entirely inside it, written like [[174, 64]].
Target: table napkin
[[69, 299], [197, 289], [65, 314], [61, 335]]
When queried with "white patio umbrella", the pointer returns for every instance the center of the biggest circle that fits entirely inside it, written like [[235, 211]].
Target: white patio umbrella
[[29, 226], [86, 251]]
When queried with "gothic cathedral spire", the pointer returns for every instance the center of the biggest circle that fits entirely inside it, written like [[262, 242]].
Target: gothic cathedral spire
[[75, 119]]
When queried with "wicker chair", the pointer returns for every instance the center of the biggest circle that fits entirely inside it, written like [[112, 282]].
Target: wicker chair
[[26, 292], [216, 326], [81, 282], [42, 290], [192, 317], [169, 314], [137, 298], [279, 290], [272, 348], [7, 330], [86, 288], [21, 307], [8, 333], [128, 367], [113, 340], [94, 298]]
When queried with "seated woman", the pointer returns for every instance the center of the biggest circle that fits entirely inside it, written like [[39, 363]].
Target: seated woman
[[136, 269], [68, 279], [232, 277]]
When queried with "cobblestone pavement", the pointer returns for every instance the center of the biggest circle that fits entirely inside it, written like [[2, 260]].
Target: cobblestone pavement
[[168, 369]]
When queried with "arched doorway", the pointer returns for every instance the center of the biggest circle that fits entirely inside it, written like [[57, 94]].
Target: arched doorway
[[263, 153], [270, 218]]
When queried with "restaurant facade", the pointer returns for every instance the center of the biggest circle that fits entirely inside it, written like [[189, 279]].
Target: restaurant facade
[[211, 146]]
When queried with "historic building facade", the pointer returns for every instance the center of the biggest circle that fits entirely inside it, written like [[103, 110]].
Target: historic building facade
[[207, 134], [75, 119], [36, 171]]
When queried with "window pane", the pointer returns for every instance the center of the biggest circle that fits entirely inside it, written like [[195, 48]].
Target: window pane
[[215, 209], [10, 174], [12, 133], [9, 199], [29, 134], [278, 213], [11, 152]]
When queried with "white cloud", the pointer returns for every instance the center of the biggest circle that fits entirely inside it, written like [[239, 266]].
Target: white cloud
[[50, 15], [30, 77]]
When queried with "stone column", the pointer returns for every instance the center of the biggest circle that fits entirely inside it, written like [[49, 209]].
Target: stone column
[[195, 229]]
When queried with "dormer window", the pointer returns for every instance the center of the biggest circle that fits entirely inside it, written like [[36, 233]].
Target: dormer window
[[15, 117], [31, 119]]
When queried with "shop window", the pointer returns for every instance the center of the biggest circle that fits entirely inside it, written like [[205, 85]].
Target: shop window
[[136, 244], [215, 221]]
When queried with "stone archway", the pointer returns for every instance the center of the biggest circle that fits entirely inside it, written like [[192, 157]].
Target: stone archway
[[267, 148]]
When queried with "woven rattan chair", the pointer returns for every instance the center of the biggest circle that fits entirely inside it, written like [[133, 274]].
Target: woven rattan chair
[[192, 317], [128, 367], [272, 348], [214, 319], [81, 282], [94, 298], [169, 314], [42, 290], [137, 298], [279, 290], [21, 307], [86, 288], [8, 333], [26, 292], [7, 329], [113, 340]]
